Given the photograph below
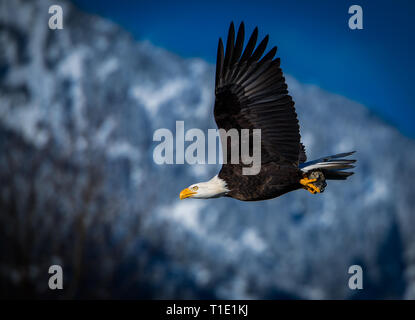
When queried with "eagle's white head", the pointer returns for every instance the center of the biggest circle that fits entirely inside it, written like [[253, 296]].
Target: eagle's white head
[[214, 188]]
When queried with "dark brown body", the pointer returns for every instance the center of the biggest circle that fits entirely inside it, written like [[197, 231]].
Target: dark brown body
[[272, 181]]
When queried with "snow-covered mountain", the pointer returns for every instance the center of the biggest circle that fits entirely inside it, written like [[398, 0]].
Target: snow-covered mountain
[[78, 109]]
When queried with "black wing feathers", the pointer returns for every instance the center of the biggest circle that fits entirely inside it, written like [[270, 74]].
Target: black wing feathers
[[250, 46], [239, 45], [229, 49], [260, 49], [219, 63], [251, 94]]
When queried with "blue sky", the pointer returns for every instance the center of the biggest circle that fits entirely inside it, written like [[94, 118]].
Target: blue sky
[[374, 66]]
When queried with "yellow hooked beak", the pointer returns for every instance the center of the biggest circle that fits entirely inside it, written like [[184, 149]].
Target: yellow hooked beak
[[186, 193]]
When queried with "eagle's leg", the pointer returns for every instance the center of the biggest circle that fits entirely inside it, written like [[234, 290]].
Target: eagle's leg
[[308, 185], [314, 182]]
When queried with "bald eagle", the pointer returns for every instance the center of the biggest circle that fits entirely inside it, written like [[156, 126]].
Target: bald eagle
[[251, 93]]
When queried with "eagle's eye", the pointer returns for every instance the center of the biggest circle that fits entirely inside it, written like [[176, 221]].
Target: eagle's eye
[[195, 188]]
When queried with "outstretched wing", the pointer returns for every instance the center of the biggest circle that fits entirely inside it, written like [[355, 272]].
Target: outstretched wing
[[251, 93]]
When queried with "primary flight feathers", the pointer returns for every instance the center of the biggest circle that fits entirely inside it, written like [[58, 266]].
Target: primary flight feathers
[[251, 93]]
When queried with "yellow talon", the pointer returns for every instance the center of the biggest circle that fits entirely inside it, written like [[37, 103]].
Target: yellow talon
[[309, 186], [305, 181]]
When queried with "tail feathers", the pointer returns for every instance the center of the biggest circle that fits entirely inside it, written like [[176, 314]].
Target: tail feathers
[[339, 164], [332, 166], [327, 159], [336, 174]]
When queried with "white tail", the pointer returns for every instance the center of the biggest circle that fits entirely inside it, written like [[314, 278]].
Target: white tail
[[331, 166]]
